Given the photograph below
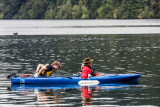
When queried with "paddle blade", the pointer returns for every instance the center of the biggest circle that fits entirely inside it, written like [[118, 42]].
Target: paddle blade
[[11, 75], [88, 82]]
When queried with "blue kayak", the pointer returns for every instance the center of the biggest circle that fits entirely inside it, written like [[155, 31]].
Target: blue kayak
[[108, 78]]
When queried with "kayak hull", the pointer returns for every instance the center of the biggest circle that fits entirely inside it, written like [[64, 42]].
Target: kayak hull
[[108, 78]]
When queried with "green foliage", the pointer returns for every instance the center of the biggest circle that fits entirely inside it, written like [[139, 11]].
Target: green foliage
[[79, 9]]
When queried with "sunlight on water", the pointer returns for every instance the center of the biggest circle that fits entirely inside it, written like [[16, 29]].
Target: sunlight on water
[[112, 54]]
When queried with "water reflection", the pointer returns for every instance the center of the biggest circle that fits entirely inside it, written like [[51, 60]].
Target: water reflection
[[50, 94], [87, 94], [112, 54], [47, 96]]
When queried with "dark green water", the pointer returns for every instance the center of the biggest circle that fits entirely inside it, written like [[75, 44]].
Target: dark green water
[[113, 54]]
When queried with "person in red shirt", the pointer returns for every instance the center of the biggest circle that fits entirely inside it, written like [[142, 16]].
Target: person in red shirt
[[86, 69]]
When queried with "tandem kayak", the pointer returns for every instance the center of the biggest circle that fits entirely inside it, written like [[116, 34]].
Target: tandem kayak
[[107, 78]]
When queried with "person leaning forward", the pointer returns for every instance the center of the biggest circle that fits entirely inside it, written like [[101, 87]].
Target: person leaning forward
[[46, 70]]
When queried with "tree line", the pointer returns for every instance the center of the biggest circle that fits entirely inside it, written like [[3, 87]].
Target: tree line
[[79, 9]]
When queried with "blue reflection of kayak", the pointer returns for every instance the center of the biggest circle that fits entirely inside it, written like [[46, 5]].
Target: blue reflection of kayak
[[108, 78], [43, 86], [106, 86]]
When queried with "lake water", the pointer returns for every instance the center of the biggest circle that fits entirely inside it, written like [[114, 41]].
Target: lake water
[[71, 27], [115, 50]]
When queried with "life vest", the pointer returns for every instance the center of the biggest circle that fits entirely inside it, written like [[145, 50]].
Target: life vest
[[88, 70], [92, 68], [46, 73]]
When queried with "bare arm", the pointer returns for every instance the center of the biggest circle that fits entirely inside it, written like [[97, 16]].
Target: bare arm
[[89, 75], [39, 67], [42, 69], [100, 74]]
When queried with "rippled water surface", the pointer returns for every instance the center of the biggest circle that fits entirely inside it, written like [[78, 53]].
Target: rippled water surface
[[117, 47], [111, 53]]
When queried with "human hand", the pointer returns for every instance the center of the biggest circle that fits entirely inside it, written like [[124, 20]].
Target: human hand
[[80, 72], [36, 74], [89, 75]]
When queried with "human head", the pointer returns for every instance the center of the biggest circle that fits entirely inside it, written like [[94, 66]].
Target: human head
[[87, 61], [56, 63]]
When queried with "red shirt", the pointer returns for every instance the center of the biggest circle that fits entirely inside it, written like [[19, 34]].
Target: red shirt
[[85, 71]]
